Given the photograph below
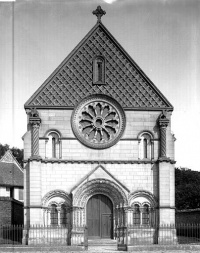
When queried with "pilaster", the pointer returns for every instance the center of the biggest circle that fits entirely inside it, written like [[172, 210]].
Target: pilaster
[[166, 189]]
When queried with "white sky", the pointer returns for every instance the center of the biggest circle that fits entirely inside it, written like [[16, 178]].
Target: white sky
[[162, 37]]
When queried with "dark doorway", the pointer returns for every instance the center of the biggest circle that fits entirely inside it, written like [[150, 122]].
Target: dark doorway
[[100, 217]]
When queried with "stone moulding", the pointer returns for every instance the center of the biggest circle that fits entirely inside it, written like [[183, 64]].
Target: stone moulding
[[141, 193], [99, 161], [56, 193], [99, 186], [107, 172]]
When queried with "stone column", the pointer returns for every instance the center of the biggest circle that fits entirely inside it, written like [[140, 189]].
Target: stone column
[[152, 149], [58, 209], [139, 149], [163, 123], [35, 123], [60, 148]]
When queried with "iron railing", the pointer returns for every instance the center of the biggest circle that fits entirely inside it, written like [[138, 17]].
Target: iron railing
[[11, 234], [126, 235], [44, 235], [162, 234]]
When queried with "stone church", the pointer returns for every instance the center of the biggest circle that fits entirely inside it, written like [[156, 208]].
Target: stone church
[[98, 149]]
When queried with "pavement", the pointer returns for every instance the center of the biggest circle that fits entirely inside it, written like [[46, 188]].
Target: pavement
[[92, 249], [106, 246]]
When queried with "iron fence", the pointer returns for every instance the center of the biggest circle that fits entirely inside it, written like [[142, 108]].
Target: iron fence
[[163, 234], [126, 235], [11, 234], [44, 235]]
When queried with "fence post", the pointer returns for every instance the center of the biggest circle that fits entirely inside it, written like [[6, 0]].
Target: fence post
[[85, 238], [122, 238]]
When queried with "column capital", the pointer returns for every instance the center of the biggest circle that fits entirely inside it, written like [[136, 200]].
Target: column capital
[[35, 121], [163, 121]]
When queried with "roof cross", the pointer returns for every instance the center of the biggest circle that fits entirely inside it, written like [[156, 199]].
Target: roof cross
[[99, 13]]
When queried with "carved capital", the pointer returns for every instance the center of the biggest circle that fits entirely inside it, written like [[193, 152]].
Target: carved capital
[[35, 121], [163, 123], [163, 120]]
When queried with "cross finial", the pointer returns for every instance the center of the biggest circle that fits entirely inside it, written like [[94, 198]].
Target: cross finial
[[99, 13]]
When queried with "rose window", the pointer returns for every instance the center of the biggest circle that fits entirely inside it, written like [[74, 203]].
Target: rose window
[[98, 121]]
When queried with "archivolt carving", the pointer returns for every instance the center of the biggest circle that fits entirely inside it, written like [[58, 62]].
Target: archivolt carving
[[99, 186], [56, 193], [152, 199], [52, 203]]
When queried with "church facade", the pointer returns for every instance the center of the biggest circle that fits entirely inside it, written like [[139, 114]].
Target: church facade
[[98, 149]]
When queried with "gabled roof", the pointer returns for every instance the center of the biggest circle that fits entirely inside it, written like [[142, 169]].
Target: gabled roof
[[11, 174], [73, 79]]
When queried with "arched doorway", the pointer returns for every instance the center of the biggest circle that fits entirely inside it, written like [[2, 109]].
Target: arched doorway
[[100, 217]]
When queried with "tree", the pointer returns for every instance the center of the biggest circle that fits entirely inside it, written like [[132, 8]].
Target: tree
[[187, 188], [17, 153]]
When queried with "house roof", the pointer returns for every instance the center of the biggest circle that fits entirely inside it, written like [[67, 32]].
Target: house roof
[[11, 173], [72, 80]]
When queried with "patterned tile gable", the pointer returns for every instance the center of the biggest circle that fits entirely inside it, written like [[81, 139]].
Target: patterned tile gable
[[73, 79]]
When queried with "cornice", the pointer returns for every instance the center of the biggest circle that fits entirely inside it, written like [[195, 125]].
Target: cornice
[[98, 162], [93, 161], [45, 107], [166, 160], [73, 138]]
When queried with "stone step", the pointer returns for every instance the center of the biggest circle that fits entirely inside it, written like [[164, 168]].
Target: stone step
[[101, 242]]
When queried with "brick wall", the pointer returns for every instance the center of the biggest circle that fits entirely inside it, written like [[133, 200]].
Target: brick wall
[[17, 212], [5, 211], [11, 211]]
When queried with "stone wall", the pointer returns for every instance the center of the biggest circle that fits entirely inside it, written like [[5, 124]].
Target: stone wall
[[125, 149]]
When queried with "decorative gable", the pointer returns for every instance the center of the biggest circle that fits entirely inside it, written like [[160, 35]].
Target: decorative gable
[[100, 173], [75, 79]]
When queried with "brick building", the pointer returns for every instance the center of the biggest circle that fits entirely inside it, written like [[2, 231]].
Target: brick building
[[98, 148], [11, 190]]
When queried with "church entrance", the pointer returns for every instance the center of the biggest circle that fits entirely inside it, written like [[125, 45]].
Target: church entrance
[[100, 217]]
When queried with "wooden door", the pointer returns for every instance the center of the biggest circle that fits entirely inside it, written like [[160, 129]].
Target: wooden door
[[106, 225], [100, 217]]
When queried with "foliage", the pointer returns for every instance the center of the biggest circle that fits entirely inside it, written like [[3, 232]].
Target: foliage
[[187, 188], [17, 153]]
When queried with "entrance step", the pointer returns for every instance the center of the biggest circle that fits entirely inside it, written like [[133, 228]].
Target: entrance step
[[102, 242]]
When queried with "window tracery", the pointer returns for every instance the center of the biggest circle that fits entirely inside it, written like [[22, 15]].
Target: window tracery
[[142, 214], [57, 208]]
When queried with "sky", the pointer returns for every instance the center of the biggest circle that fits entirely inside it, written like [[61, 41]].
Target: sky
[[162, 37]]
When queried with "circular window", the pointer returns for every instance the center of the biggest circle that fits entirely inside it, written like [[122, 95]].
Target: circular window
[[98, 121]]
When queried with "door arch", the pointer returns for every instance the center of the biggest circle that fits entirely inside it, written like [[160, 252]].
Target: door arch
[[100, 217]]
